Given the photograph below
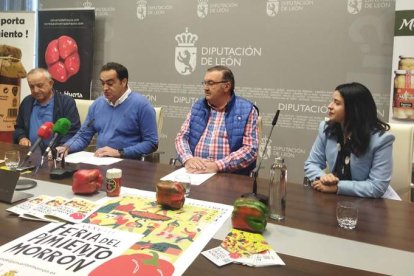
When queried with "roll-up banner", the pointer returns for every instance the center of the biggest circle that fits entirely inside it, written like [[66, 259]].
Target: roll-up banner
[[402, 77], [17, 48], [66, 49]]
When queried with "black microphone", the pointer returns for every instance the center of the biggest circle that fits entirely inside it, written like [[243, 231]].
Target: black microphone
[[63, 171], [275, 118], [255, 172]]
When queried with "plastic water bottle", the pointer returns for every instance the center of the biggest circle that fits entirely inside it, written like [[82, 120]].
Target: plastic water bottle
[[277, 189]]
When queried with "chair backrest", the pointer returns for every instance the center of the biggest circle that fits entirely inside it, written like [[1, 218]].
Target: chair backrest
[[402, 155], [83, 106], [159, 118]]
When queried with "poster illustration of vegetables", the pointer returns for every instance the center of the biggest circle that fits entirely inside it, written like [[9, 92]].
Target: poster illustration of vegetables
[[131, 235], [66, 49], [171, 239]]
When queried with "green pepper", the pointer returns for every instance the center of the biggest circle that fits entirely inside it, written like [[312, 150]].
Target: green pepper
[[249, 214]]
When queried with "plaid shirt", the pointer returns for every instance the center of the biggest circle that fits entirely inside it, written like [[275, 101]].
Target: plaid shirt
[[214, 143]]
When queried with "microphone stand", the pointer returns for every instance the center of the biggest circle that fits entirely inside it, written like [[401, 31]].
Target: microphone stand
[[66, 171], [255, 172], [51, 148], [63, 171], [26, 184]]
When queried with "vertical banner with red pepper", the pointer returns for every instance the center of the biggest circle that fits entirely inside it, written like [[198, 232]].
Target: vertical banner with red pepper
[[66, 49], [17, 47], [402, 78]]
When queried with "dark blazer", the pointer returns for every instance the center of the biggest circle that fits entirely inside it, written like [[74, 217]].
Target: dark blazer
[[64, 106]]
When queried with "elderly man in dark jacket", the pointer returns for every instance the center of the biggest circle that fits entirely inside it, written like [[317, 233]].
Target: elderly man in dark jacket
[[43, 105]]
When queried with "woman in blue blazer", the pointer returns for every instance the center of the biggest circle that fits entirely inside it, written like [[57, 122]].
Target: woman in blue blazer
[[353, 145]]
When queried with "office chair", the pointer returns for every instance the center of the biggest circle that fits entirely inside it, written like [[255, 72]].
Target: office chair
[[402, 156], [83, 107], [154, 157], [159, 117]]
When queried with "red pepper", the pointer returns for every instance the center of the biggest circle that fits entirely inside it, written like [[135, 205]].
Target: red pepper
[[87, 181], [170, 195]]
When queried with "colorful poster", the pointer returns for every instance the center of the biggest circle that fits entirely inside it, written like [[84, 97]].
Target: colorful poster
[[131, 234], [17, 44], [66, 49], [402, 77], [171, 239], [63, 249]]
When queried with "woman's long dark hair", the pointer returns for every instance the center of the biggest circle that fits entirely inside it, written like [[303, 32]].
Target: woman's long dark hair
[[361, 118]]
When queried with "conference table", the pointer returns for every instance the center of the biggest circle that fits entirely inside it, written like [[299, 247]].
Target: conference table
[[309, 240]]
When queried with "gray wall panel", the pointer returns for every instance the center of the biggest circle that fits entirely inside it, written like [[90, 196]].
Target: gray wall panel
[[304, 51]]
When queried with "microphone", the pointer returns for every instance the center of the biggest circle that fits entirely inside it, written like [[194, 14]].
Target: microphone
[[61, 128], [255, 172], [63, 171], [44, 132]]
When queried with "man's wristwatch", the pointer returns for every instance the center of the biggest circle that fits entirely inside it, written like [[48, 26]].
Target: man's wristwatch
[[121, 153]]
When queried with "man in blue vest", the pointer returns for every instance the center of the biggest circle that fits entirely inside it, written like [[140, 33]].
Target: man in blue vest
[[220, 132]]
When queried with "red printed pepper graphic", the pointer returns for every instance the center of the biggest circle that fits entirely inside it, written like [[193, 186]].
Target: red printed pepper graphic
[[62, 58], [135, 264]]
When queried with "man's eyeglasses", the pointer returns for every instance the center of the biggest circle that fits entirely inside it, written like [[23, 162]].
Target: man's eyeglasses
[[211, 83]]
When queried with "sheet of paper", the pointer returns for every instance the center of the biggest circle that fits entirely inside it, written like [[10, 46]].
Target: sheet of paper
[[196, 178], [266, 258], [241, 243], [391, 194], [218, 255], [40, 211], [28, 205], [74, 210], [88, 158]]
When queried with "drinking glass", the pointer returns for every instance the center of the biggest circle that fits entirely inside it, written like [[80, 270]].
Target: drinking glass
[[12, 159], [347, 214], [185, 181]]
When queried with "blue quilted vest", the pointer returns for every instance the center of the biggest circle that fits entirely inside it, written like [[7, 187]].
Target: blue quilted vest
[[237, 113]]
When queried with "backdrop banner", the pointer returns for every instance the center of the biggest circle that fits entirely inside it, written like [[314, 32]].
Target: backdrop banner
[[66, 49], [17, 46], [402, 77], [286, 55]]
